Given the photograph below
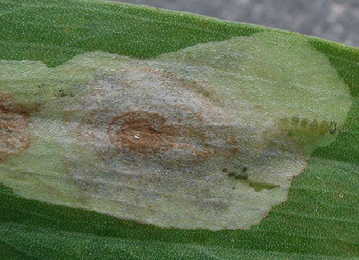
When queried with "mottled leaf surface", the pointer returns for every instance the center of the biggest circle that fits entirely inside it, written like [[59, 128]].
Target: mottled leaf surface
[[318, 221]]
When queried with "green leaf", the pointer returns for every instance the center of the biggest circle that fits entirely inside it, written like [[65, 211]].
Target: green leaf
[[52, 50]]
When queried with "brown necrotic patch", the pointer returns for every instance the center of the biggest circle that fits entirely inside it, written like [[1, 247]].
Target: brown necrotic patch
[[149, 133], [142, 132], [14, 121]]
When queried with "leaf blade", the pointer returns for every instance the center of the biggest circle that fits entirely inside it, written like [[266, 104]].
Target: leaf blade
[[154, 34]]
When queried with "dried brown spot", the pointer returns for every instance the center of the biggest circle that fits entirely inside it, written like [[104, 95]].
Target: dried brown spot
[[149, 133], [142, 132], [13, 123]]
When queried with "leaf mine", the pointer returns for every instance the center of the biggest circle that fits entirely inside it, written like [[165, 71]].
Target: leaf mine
[[209, 137]]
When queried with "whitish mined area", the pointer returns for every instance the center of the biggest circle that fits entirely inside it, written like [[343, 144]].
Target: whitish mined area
[[208, 137]]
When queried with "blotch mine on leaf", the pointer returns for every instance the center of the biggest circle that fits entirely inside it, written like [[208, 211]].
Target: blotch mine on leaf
[[209, 137], [176, 125]]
